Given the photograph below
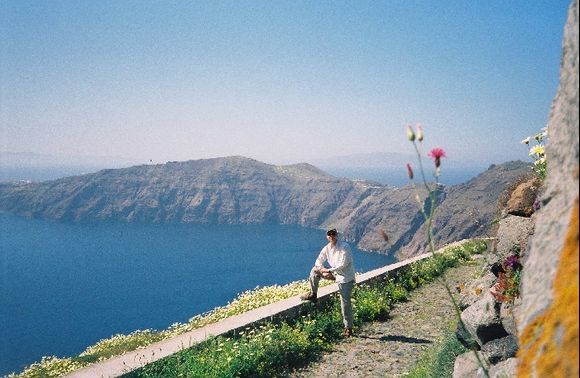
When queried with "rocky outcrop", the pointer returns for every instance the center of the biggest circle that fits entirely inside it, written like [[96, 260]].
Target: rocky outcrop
[[467, 365], [490, 304], [544, 319], [500, 349], [467, 209], [507, 368], [507, 314], [482, 320], [473, 291], [548, 320], [515, 232], [239, 190], [523, 198], [489, 309]]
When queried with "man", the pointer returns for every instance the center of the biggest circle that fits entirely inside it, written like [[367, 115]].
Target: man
[[339, 256]]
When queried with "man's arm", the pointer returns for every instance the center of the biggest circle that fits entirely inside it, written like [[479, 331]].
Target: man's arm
[[322, 256], [319, 265]]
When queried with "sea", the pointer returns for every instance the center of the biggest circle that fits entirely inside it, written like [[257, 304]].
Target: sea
[[398, 176], [65, 286]]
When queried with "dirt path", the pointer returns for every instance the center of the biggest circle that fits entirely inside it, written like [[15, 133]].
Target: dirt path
[[391, 348]]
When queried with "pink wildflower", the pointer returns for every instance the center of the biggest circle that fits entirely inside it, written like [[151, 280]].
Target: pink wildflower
[[409, 171], [436, 154]]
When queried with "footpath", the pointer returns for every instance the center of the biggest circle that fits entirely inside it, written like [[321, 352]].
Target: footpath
[[391, 348]]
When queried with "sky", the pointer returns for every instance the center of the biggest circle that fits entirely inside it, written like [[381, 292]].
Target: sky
[[278, 81]]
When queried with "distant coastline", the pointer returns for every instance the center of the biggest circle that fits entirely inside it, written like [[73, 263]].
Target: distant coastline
[[37, 174], [241, 190], [398, 176], [384, 175]]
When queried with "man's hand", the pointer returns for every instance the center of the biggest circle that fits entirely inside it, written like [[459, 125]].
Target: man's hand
[[325, 273], [328, 276]]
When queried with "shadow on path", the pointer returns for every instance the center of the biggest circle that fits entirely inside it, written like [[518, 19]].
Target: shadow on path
[[402, 339]]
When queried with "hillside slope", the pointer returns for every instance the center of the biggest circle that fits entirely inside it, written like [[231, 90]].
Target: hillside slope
[[238, 190]]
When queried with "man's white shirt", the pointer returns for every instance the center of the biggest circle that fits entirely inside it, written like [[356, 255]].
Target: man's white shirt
[[339, 258]]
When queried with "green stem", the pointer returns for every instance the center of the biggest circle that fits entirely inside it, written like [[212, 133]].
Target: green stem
[[430, 238], [421, 167]]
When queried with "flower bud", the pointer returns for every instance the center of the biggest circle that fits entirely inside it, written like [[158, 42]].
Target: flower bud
[[419, 132], [409, 171], [410, 133]]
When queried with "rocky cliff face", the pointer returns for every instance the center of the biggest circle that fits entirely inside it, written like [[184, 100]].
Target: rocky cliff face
[[468, 209], [542, 323], [239, 190], [548, 321]]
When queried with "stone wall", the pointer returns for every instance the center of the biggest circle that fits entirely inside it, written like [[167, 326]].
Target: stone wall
[[542, 324], [548, 319]]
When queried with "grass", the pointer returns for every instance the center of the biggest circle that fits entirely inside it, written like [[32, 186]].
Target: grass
[[272, 349], [439, 360]]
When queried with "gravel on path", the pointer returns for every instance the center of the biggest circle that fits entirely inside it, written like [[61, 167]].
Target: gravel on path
[[391, 348]]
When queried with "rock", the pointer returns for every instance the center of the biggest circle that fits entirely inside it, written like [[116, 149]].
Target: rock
[[508, 314], [466, 338], [503, 369], [467, 365], [550, 274], [521, 202], [482, 320], [467, 209], [474, 290], [500, 349], [512, 237]]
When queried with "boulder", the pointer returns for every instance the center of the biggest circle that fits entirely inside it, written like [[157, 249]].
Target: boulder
[[500, 349], [508, 314], [548, 320], [512, 237], [521, 202], [467, 365], [503, 369], [473, 291], [482, 320], [466, 338]]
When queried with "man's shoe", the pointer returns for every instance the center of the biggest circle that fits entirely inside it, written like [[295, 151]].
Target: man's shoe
[[347, 332], [309, 297]]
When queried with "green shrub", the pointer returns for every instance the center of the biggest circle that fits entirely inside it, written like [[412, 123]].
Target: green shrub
[[438, 361], [276, 349]]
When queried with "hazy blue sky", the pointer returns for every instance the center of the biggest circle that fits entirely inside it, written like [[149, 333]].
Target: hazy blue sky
[[279, 81]]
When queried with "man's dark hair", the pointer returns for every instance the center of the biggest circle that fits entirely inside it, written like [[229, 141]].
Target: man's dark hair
[[331, 232]]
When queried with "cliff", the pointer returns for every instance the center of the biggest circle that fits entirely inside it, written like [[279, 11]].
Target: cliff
[[530, 329], [548, 320], [238, 190]]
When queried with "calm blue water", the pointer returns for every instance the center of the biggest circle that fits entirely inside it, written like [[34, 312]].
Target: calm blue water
[[398, 176], [65, 286]]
